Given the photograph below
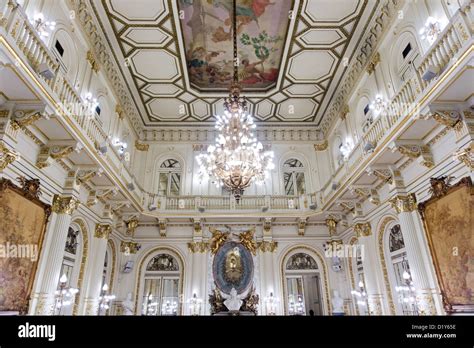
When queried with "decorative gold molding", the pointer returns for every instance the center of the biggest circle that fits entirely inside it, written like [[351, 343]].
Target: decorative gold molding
[[24, 118], [321, 146], [403, 204], [47, 154], [448, 118], [362, 229], [331, 223], [373, 63], [381, 233], [64, 204], [466, 156], [102, 231], [141, 146], [92, 61], [218, 238], [131, 225], [7, 156], [267, 246], [129, 247], [198, 247]]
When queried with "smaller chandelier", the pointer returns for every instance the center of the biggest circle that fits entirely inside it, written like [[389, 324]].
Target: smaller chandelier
[[431, 30]]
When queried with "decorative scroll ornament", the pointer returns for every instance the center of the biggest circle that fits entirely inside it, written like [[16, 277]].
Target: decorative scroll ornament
[[141, 146], [267, 246], [198, 247], [129, 247], [448, 118], [247, 240], [102, 231], [132, 225], [30, 187], [218, 238], [321, 146], [362, 229], [24, 118], [403, 204], [64, 205], [7, 156]]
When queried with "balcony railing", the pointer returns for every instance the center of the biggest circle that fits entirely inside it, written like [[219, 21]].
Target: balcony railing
[[19, 32]]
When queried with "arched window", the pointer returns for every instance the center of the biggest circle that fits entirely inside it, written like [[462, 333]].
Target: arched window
[[404, 289], [70, 266], [293, 178], [169, 183], [161, 286], [303, 285]]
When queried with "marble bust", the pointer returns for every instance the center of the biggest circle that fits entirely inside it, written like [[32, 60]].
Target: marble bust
[[337, 304], [233, 302]]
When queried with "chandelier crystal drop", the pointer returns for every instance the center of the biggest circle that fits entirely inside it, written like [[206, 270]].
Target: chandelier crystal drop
[[237, 159]]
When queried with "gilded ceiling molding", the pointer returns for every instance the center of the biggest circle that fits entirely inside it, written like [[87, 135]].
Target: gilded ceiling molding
[[321, 146], [416, 151], [198, 247], [362, 229], [404, 203], [267, 246], [24, 118], [102, 231], [141, 146], [48, 154], [64, 204], [7, 156]]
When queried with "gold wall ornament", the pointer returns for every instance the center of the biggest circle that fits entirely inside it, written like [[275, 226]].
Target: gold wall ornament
[[331, 223], [404, 203], [218, 238], [362, 229], [411, 151], [466, 156], [24, 118], [440, 186], [30, 187], [373, 63], [198, 247], [267, 246], [7, 156], [248, 241], [129, 247], [92, 61], [448, 118], [131, 225], [321, 146], [141, 146], [64, 204], [102, 231]]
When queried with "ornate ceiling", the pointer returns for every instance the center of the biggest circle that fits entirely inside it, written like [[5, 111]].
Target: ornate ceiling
[[174, 55]]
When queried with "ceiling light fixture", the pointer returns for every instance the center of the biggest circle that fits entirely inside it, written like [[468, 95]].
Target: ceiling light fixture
[[237, 159]]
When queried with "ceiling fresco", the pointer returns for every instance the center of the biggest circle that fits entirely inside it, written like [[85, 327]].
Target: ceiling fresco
[[208, 43], [175, 56]]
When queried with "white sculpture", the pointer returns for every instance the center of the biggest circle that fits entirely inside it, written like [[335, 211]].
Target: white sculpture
[[337, 303], [128, 305], [233, 302]]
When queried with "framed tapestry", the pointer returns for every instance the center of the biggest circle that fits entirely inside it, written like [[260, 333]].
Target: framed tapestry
[[23, 222], [449, 226]]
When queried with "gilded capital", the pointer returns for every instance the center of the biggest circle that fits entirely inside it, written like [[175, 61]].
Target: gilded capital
[[362, 229], [64, 205], [102, 231], [129, 247], [404, 204], [321, 146], [266, 246], [132, 225], [198, 247]]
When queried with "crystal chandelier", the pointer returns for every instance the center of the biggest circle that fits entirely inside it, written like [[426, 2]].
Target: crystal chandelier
[[237, 159]]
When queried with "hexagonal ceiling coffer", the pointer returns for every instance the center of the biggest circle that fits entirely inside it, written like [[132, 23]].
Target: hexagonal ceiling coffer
[[200, 109], [311, 66], [320, 38], [264, 109], [168, 109], [307, 90], [296, 109], [146, 37], [155, 65], [148, 10], [161, 90], [330, 12]]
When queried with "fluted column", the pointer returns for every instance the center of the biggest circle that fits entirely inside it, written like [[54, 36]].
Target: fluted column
[[369, 261], [62, 208], [98, 249], [405, 205], [199, 267]]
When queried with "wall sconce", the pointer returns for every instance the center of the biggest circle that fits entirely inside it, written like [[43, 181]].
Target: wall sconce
[[431, 30], [271, 303], [43, 26], [64, 296], [104, 300], [195, 304]]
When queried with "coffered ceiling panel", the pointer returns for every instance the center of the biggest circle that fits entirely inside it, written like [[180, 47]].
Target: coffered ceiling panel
[[176, 56]]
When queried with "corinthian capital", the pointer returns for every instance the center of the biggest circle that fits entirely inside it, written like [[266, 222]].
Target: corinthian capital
[[362, 229], [102, 231], [403, 203], [64, 205], [7, 156]]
